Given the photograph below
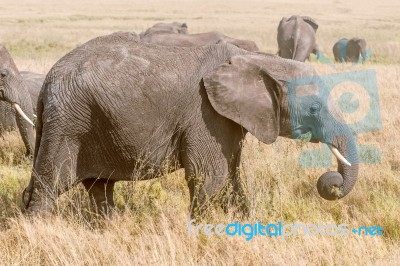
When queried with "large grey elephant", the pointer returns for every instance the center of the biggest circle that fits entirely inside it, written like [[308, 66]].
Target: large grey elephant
[[117, 109], [346, 50], [297, 38], [199, 39], [18, 95], [166, 28]]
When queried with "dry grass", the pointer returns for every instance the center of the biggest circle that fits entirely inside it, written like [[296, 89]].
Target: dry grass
[[150, 224]]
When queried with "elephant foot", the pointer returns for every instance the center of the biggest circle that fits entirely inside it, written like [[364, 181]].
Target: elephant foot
[[238, 204], [39, 208], [199, 209]]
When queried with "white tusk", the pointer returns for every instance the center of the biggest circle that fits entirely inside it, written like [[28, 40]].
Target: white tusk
[[19, 110], [338, 155], [34, 116]]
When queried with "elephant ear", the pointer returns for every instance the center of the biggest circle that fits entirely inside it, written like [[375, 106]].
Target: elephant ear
[[243, 91], [362, 43], [312, 22]]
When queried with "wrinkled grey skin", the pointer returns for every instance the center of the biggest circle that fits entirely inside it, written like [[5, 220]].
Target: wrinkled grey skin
[[16, 87], [199, 39], [296, 38], [166, 28], [346, 50], [116, 109]]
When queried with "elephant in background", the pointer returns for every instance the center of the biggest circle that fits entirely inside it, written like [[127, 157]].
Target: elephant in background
[[199, 39], [166, 28], [18, 96], [137, 108], [297, 38], [33, 82], [346, 50]]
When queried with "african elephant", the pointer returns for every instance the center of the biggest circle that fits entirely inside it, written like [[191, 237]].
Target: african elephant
[[33, 83], [199, 39], [165, 28], [117, 109], [296, 38], [18, 91], [346, 50]]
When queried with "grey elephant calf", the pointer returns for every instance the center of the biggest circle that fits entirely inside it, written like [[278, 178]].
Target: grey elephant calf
[[199, 39], [18, 96], [117, 109], [297, 38], [352, 50], [176, 34]]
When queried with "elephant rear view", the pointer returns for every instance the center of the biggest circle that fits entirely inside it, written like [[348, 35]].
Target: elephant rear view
[[352, 50], [296, 38]]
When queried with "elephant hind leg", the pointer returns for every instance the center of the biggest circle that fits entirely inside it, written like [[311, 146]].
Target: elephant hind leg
[[54, 173], [100, 193], [285, 52]]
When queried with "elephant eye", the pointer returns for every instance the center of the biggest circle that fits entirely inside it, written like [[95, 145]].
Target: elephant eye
[[315, 107]]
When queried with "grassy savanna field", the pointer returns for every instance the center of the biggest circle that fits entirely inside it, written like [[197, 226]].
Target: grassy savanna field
[[150, 223]]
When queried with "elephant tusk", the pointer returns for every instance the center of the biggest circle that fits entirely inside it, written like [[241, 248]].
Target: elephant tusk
[[338, 155], [19, 110], [34, 116]]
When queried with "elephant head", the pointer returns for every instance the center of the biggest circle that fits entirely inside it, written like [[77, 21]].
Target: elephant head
[[356, 47], [256, 92], [174, 27], [13, 90]]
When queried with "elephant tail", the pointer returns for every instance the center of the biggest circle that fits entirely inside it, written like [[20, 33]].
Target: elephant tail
[[296, 36]]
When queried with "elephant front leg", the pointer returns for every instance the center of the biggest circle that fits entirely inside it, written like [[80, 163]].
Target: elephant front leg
[[100, 193], [235, 195], [204, 189], [208, 172]]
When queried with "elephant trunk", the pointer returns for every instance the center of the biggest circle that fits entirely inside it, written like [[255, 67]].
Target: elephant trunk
[[363, 53], [335, 185]]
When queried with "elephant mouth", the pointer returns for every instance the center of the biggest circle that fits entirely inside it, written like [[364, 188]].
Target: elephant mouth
[[2, 95], [306, 135], [335, 151]]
